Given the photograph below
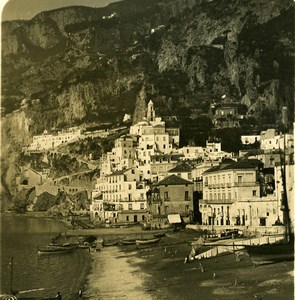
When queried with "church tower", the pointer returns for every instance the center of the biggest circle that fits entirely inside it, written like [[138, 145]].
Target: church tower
[[150, 115]]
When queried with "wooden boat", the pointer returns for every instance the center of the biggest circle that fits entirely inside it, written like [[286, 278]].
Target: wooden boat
[[147, 241], [82, 246], [128, 242], [159, 234], [270, 253], [110, 243], [55, 249]]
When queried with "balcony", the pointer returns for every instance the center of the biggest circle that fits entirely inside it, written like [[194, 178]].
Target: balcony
[[216, 201], [125, 199], [245, 184]]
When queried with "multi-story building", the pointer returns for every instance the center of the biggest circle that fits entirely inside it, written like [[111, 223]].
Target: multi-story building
[[197, 173], [124, 152], [161, 163], [212, 151], [174, 195], [192, 152], [120, 197], [233, 195], [280, 141], [153, 140], [225, 114], [153, 136]]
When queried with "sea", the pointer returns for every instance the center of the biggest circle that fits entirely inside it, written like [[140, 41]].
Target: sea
[[33, 275]]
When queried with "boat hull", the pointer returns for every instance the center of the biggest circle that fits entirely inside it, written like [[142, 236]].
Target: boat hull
[[147, 242], [270, 253], [110, 244], [55, 250], [128, 242]]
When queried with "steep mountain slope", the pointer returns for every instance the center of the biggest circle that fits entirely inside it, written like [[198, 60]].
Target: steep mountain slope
[[78, 65]]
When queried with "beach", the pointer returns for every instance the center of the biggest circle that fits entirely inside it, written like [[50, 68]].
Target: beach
[[159, 272]]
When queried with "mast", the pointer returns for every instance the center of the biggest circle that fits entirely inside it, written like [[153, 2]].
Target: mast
[[284, 201]]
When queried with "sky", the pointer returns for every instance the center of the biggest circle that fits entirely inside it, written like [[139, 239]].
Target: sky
[[27, 9]]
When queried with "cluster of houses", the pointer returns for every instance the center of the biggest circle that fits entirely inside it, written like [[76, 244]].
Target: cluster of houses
[[49, 140], [148, 178]]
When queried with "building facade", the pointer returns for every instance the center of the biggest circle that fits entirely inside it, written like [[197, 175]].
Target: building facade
[[233, 195]]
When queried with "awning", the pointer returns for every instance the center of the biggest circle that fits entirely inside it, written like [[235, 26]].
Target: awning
[[174, 218]]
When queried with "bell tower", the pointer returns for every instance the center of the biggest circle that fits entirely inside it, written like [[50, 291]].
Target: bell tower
[[150, 115]]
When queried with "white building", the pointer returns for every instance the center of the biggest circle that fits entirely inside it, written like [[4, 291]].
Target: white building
[[120, 197], [153, 137], [49, 141], [211, 152], [281, 141], [232, 195]]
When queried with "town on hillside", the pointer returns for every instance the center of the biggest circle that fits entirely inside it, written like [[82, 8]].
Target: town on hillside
[[148, 178]]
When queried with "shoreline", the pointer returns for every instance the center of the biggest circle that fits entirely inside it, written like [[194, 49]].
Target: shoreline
[[159, 272], [162, 274]]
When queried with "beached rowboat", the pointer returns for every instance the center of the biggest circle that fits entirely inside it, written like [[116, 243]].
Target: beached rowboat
[[128, 241], [55, 249], [159, 234], [110, 243], [147, 241], [269, 253]]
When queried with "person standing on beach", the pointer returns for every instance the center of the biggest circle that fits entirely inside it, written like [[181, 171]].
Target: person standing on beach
[[80, 294]]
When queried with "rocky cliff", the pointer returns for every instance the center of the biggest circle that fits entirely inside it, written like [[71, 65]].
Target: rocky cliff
[[78, 65]]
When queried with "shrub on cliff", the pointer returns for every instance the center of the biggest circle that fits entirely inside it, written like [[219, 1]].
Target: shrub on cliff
[[21, 200], [44, 202]]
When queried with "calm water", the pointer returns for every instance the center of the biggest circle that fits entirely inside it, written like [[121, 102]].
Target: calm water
[[20, 237]]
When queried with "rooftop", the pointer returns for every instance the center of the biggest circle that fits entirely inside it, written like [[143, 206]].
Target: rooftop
[[243, 164], [181, 168], [174, 180]]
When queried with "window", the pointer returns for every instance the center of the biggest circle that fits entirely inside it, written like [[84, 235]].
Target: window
[[166, 198], [141, 205], [127, 218], [254, 193], [142, 217], [240, 179], [186, 198], [130, 206]]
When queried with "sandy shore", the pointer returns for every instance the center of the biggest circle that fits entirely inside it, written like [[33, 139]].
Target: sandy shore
[[159, 272], [115, 275]]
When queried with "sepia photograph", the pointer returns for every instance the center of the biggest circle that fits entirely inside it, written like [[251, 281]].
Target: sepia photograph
[[147, 150]]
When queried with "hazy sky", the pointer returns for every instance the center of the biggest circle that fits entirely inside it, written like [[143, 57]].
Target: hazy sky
[[27, 9]]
